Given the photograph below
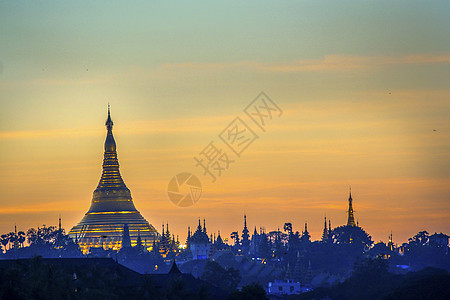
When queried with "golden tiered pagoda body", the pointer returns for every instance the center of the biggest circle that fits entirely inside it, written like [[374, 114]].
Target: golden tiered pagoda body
[[112, 208]]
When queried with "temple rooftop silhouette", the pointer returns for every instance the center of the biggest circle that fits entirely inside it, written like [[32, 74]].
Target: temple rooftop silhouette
[[112, 208]]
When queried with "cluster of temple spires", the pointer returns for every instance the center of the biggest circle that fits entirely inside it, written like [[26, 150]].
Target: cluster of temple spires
[[327, 232], [201, 236], [167, 242]]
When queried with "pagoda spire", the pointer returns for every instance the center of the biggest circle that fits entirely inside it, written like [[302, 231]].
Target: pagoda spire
[[245, 236], [329, 226], [391, 242], [245, 230], [174, 269], [199, 227], [351, 217], [325, 231], [111, 205], [111, 186], [188, 239], [109, 123], [16, 238], [126, 240], [305, 234]]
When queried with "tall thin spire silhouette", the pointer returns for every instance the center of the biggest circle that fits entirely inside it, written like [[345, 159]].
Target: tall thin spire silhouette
[[325, 230], [351, 217]]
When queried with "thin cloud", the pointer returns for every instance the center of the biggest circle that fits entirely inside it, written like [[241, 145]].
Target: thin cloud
[[58, 206], [214, 124], [328, 63], [168, 71], [51, 133]]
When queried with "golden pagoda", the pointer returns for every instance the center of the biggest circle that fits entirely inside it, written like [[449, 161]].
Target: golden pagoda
[[351, 218], [112, 208]]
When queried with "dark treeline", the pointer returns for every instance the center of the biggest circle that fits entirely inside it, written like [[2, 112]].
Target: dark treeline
[[44, 241], [49, 279], [335, 262], [371, 280]]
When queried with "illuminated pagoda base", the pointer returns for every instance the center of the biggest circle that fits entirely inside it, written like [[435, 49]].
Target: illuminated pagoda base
[[112, 209], [106, 231]]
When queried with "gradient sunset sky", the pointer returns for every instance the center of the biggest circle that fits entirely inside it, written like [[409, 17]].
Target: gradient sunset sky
[[364, 87]]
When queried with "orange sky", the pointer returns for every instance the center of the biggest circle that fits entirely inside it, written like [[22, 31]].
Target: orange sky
[[367, 112]]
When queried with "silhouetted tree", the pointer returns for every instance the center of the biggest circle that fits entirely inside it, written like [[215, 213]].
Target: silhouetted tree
[[5, 241], [21, 237], [352, 235], [288, 228], [42, 236], [265, 246], [420, 239], [235, 236]]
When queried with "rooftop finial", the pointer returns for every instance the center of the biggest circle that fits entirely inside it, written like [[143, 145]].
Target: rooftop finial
[[351, 218], [325, 230], [109, 123]]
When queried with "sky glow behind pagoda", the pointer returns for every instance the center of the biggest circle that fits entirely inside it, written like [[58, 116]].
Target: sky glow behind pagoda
[[363, 86]]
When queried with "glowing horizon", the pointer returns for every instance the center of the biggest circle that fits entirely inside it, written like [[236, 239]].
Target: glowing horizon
[[364, 94]]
